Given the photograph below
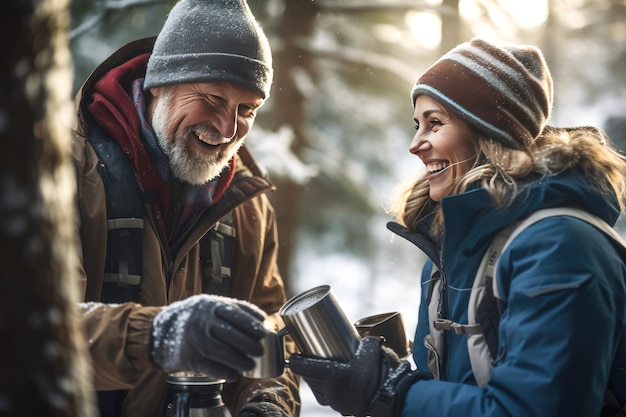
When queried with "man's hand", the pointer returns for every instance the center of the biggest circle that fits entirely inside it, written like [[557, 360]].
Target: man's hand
[[274, 401], [373, 383], [262, 409], [209, 334]]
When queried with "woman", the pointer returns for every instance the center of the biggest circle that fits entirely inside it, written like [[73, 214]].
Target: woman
[[480, 115]]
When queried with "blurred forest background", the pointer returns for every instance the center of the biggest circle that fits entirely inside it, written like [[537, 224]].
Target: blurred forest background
[[335, 132]]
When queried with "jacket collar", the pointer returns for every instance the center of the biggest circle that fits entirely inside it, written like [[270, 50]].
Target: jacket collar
[[472, 219]]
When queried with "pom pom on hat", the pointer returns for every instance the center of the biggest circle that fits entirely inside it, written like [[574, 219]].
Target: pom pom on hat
[[504, 90], [211, 41]]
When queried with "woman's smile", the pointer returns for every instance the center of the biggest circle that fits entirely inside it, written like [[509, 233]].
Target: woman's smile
[[437, 167]]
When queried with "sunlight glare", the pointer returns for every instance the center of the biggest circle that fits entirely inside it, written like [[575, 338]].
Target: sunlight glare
[[387, 33], [469, 9], [527, 14], [426, 28]]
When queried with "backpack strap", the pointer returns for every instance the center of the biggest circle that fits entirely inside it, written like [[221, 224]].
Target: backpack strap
[[435, 341], [217, 249], [125, 220], [125, 223]]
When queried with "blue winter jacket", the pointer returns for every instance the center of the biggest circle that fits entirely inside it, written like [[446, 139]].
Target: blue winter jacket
[[562, 336]]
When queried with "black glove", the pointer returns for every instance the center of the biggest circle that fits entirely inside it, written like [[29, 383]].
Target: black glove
[[208, 334], [262, 409], [270, 401], [373, 383]]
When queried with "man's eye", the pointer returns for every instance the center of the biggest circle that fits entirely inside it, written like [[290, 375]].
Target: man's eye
[[207, 98], [247, 111]]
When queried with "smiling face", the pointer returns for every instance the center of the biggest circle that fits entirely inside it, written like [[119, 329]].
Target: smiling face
[[201, 126], [444, 142]]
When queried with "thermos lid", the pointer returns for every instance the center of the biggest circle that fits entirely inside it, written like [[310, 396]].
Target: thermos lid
[[192, 378]]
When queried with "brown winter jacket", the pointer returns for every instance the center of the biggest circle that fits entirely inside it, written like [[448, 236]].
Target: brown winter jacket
[[119, 335]]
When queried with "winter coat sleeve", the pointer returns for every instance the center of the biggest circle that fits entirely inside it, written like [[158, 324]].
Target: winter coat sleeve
[[119, 342], [564, 285]]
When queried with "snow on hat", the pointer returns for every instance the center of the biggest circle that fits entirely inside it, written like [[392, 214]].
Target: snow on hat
[[503, 90], [209, 41]]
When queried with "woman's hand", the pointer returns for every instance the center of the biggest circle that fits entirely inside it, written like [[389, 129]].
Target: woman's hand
[[373, 383]]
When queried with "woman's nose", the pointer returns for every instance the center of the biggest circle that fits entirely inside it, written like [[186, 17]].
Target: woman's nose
[[419, 144]]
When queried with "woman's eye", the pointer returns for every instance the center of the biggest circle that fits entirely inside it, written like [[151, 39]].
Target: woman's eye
[[435, 122], [416, 126]]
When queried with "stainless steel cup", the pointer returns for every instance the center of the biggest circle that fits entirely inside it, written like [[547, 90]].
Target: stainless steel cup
[[272, 363], [318, 325], [390, 326]]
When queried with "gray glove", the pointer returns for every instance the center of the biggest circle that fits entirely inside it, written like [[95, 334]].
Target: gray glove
[[208, 334]]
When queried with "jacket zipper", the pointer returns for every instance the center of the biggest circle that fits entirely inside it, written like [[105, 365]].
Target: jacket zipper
[[443, 311]]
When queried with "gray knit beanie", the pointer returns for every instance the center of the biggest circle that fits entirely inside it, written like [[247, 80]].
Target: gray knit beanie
[[503, 90], [209, 41]]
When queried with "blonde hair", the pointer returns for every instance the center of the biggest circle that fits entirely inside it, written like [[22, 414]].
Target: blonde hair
[[499, 169]]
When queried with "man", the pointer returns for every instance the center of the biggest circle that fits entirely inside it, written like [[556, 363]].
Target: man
[[160, 161]]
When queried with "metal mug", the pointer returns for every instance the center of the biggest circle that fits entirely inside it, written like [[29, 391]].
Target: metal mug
[[272, 363], [319, 326], [389, 326]]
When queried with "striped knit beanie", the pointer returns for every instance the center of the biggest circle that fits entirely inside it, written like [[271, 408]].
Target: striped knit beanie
[[504, 90], [210, 41]]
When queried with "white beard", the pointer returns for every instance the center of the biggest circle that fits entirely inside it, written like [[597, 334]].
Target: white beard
[[188, 166]]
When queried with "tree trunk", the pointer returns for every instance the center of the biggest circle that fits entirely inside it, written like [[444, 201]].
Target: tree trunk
[[297, 22], [43, 361]]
